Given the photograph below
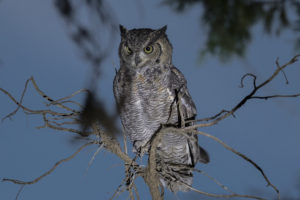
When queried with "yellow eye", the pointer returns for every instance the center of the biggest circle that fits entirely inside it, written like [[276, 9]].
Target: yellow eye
[[128, 50], [148, 49]]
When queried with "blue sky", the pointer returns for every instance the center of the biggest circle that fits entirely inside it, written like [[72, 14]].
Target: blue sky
[[34, 41]]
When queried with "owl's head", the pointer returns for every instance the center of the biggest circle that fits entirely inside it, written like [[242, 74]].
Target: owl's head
[[144, 47]]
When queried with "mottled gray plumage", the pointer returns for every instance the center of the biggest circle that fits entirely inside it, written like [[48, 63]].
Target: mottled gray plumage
[[146, 90]]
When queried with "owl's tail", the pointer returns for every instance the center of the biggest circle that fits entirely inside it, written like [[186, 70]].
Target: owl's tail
[[176, 158], [174, 177]]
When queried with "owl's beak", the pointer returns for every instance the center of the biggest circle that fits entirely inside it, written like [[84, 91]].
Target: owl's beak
[[137, 60]]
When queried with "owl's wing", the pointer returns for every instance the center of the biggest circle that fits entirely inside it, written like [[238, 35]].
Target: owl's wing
[[179, 85], [115, 86], [189, 112], [118, 86]]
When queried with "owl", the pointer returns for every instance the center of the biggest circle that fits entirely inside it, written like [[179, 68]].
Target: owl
[[147, 89]]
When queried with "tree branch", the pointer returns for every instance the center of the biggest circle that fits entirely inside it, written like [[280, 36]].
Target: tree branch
[[242, 156], [15, 181], [249, 96], [222, 195], [275, 96]]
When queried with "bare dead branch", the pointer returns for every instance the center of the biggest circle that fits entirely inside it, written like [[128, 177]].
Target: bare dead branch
[[113, 145], [95, 154], [121, 188], [136, 191], [227, 196], [65, 102], [59, 128], [214, 180], [246, 75], [151, 176], [127, 184], [15, 181], [249, 96], [152, 159], [131, 195], [40, 92], [209, 118], [61, 118], [131, 187], [29, 111], [19, 192], [278, 66], [68, 97], [19, 105], [242, 156], [275, 96], [65, 123], [57, 121]]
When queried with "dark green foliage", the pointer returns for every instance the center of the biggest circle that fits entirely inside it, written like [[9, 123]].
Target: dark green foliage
[[229, 23]]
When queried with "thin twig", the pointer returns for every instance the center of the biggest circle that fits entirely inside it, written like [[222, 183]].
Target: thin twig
[[68, 97], [69, 101], [95, 154], [249, 96], [208, 118], [130, 187], [136, 191], [246, 75], [59, 128], [275, 96], [15, 181], [32, 111], [48, 98], [184, 130], [131, 194], [65, 123], [242, 156], [278, 66], [19, 192], [222, 195], [19, 105], [121, 188], [214, 180], [113, 145]]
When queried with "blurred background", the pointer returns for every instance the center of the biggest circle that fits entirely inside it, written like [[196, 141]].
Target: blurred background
[[68, 45]]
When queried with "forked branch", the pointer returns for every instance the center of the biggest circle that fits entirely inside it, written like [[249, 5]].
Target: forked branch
[[256, 87]]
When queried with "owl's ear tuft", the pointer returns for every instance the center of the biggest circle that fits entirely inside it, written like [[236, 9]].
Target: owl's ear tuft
[[123, 31], [158, 33], [163, 29]]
